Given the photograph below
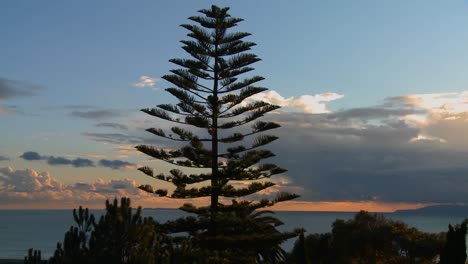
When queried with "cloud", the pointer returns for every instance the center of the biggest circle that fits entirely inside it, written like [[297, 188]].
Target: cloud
[[52, 160], [126, 149], [146, 81], [78, 162], [113, 138], [26, 180], [3, 158], [10, 89], [95, 114], [112, 125], [116, 164], [409, 148], [31, 188], [31, 155], [378, 153], [372, 113], [314, 104]]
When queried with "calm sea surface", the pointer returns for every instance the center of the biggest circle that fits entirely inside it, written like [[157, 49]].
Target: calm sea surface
[[42, 229]]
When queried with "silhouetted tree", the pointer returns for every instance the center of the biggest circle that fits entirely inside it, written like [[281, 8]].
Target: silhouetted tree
[[120, 236], [369, 238], [454, 251], [214, 101], [34, 257]]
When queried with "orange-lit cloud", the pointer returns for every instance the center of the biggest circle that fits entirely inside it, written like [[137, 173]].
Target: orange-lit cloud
[[29, 189]]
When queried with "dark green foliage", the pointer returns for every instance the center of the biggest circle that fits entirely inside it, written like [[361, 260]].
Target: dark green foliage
[[454, 251], [214, 99], [34, 257], [368, 238], [121, 235]]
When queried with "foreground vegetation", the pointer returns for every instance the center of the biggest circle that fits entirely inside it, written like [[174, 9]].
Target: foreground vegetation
[[370, 238], [123, 235]]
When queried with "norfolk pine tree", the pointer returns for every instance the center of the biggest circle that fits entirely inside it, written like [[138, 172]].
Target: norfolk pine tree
[[213, 99]]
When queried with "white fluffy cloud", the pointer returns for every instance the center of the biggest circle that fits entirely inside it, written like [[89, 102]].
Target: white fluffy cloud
[[313, 104], [443, 117], [27, 180], [31, 189], [146, 81]]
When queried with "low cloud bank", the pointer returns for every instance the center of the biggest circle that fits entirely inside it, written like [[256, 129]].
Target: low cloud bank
[[78, 162]]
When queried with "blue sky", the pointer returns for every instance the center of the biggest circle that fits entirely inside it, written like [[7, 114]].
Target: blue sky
[[69, 70]]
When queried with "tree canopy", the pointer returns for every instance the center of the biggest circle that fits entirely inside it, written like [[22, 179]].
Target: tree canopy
[[213, 88]]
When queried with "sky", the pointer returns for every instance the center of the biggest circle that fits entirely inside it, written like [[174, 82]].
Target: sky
[[374, 98]]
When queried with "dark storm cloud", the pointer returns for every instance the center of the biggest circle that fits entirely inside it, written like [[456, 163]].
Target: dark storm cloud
[[95, 114], [371, 113], [115, 164], [112, 125], [31, 155], [10, 89], [53, 160], [361, 160], [78, 163]]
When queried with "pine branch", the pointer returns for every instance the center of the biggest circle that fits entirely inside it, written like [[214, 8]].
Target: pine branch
[[261, 126], [148, 188], [251, 107], [168, 156], [235, 47], [234, 36], [259, 141], [191, 64], [262, 171], [184, 97], [192, 120], [230, 86], [280, 197], [200, 35], [232, 138], [176, 176], [158, 153], [234, 73], [230, 191], [226, 191], [234, 99], [186, 109], [193, 109], [198, 50], [170, 108], [210, 21], [186, 85], [249, 158], [191, 77], [184, 135], [241, 60], [259, 112]]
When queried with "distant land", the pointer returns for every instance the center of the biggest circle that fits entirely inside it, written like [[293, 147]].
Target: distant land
[[435, 210]]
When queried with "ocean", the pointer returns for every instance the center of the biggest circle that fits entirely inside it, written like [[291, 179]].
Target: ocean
[[42, 229]]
